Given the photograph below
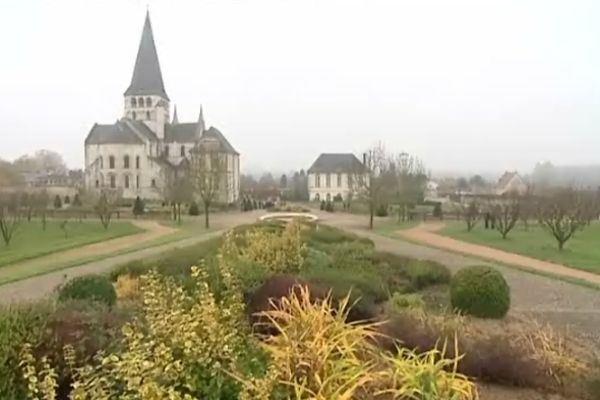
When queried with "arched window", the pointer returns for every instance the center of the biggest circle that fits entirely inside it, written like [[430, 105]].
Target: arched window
[[182, 151], [166, 150], [147, 114], [126, 161], [141, 102], [133, 102], [137, 182], [339, 180], [113, 181], [328, 181], [101, 162], [133, 114], [137, 162], [97, 183], [126, 180], [148, 102], [111, 162], [153, 182]]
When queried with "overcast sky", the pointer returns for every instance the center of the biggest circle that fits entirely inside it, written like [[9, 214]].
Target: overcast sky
[[465, 85]]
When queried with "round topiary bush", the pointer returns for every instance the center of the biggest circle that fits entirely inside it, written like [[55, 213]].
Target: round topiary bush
[[95, 288], [194, 210], [480, 291]]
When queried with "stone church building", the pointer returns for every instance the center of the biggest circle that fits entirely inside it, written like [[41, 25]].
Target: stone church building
[[135, 154]]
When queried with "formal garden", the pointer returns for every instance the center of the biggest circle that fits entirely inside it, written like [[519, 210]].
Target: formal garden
[[284, 311]]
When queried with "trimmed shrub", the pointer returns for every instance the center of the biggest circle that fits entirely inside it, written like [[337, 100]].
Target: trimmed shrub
[[420, 273], [57, 202], [194, 210], [381, 210], [138, 206], [400, 301], [94, 288], [480, 291]]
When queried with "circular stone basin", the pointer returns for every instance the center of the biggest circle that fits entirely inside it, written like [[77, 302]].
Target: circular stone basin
[[288, 216]]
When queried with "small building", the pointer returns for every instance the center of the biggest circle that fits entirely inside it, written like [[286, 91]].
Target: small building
[[511, 182], [333, 175]]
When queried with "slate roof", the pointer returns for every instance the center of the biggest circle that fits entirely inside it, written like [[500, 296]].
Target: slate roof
[[182, 133], [337, 162], [214, 133], [147, 77], [124, 131]]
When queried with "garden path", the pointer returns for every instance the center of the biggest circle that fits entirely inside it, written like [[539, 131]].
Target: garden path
[[426, 233], [38, 287], [564, 305]]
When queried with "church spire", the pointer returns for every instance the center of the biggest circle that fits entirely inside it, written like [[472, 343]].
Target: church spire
[[147, 78], [201, 125], [175, 118]]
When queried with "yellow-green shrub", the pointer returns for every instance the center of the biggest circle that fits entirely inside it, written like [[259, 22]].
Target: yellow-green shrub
[[279, 252]]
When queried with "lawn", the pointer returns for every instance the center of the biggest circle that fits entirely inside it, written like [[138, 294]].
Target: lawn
[[30, 241], [581, 252]]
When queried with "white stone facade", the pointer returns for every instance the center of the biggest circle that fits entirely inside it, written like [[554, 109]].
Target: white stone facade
[[327, 186]]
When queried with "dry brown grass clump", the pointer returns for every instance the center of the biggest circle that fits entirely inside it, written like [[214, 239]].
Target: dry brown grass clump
[[512, 351], [127, 287]]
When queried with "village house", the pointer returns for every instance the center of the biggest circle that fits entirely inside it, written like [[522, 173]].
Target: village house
[[333, 177]]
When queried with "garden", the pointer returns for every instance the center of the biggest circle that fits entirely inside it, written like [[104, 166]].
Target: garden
[[284, 311]]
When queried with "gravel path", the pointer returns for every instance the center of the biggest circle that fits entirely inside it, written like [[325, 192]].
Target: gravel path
[[566, 306], [38, 287]]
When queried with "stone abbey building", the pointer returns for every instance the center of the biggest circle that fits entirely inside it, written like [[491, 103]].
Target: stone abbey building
[[134, 154]]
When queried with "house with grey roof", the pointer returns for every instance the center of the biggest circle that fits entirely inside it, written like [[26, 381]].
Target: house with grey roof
[[134, 154], [333, 176]]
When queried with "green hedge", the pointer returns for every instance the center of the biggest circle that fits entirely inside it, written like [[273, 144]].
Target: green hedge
[[480, 291], [94, 288]]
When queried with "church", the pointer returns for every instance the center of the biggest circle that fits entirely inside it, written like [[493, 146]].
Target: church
[[134, 155]]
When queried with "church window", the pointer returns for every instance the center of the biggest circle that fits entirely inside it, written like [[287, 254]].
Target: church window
[[113, 181], [137, 162], [133, 115], [328, 180], [126, 162], [97, 183], [133, 102], [339, 180], [137, 182], [111, 162], [147, 114], [167, 151], [317, 180], [153, 182], [126, 181], [148, 102], [182, 151]]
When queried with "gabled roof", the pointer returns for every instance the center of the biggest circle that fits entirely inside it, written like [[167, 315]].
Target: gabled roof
[[337, 162], [147, 77], [214, 133], [182, 133], [506, 178], [121, 132]]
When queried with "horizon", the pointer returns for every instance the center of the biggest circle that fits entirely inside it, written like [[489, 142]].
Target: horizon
[[425, 80]]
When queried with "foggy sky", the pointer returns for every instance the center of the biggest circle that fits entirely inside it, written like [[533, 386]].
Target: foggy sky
[[477, 85]]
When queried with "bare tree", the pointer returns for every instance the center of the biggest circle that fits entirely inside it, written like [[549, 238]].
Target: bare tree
[[106, 206], [410, 179], [176, 189], [10, 216], [40, 204], [470, 213], [506, 215], [562, 214], [208, 174], [373, 180]]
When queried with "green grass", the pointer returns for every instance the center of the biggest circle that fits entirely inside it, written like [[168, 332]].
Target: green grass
[[30, 241], [581, 252]]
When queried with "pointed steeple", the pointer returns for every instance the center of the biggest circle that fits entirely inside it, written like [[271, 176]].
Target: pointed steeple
[[201, 126], [175, 118], [147, 78]]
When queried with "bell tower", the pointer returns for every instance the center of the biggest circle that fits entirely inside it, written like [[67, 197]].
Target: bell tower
[[146, 99]]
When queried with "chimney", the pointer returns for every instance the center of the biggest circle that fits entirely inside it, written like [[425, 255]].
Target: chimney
[[365, 159]]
